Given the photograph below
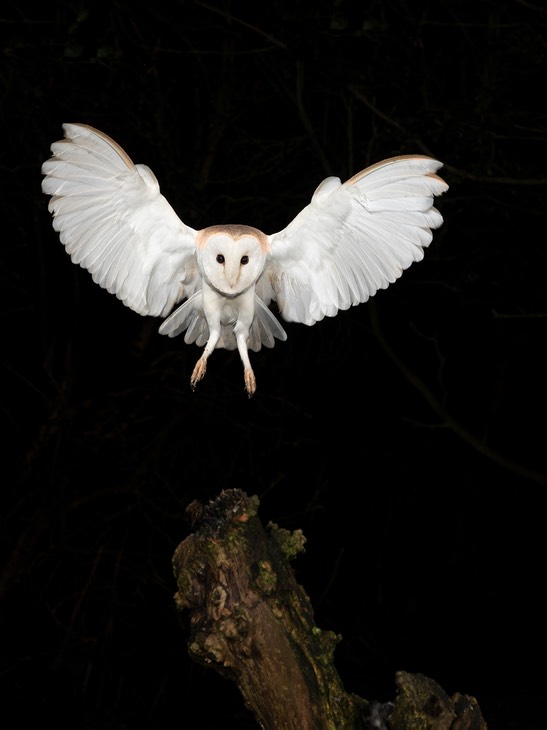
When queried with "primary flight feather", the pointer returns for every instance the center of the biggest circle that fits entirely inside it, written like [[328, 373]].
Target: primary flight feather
[[351, 240]]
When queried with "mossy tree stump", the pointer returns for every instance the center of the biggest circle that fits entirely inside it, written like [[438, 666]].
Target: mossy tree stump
[[252, 622]]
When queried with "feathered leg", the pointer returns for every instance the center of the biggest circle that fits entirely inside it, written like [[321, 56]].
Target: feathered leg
[[248, 374], [212, 308], [246, 311]]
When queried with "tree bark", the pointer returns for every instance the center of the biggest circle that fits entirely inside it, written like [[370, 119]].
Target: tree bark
[[252, 622]]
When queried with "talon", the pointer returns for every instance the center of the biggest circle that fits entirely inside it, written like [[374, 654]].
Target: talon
[[250, 382], [199, 371]]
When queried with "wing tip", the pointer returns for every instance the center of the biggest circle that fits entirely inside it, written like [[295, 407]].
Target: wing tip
[[432, 167], [73, 130]]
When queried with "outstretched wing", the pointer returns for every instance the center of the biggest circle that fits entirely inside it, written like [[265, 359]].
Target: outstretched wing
[[354, 238], [113, 221]]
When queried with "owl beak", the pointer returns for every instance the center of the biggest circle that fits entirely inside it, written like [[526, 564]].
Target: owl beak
[[232, 270]]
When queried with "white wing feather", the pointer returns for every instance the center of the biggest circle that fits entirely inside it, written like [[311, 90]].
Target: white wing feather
[[115, 223], [354, 238]]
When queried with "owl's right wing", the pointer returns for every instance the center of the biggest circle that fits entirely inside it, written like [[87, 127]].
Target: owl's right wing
[[114, 222]]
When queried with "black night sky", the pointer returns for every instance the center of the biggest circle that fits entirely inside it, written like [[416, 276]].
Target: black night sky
[[406, 437]]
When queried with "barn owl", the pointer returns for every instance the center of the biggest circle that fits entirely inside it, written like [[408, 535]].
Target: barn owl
[[352, 239]]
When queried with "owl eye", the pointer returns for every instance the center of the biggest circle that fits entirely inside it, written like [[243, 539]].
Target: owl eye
[[244, 260], [220, 259]]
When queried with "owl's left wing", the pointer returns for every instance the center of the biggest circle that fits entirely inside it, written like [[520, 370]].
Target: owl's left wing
[[354, 238]]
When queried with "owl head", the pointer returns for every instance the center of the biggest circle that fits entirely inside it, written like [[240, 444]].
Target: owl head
[[231, 257]]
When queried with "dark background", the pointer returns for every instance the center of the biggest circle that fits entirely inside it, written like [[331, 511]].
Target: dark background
[[406, 437]]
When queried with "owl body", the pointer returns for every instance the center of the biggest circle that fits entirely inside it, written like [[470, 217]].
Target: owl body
[[351, 240]]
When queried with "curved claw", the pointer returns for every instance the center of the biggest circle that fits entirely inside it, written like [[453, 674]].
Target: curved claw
[[199, 371], [250, 382]]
